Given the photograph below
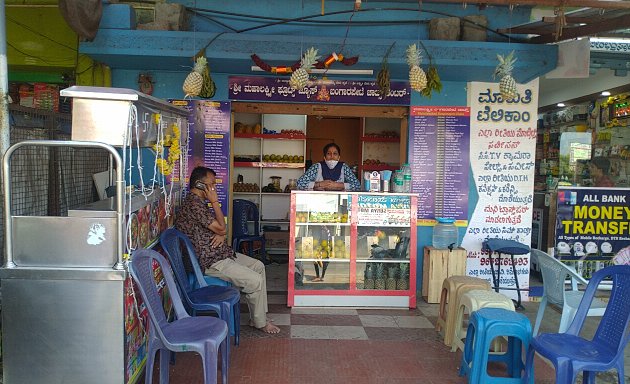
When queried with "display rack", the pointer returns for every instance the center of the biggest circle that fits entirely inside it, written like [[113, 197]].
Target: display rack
[[380, 141], [365, 241], [260, 156]]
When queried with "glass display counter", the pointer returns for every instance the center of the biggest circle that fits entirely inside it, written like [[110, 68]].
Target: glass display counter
[[352, 249]]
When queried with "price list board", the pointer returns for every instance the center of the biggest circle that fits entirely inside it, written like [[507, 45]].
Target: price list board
[[209, 141], [439, 151]]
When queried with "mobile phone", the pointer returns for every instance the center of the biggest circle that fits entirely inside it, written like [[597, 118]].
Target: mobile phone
[[200, 185]]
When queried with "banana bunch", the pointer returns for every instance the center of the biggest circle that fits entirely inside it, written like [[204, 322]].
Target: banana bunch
[[382, 78], [383, 81], [433, 82], [208, 88]]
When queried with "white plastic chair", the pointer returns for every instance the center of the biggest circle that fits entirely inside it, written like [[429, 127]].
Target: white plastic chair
[[554, 273]]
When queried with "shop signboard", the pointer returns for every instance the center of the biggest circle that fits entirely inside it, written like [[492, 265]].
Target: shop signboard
[[366, 92], [502, 158], [209, 141], [592, 226]]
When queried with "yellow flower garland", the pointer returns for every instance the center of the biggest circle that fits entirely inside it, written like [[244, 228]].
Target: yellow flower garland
[[167, 165]]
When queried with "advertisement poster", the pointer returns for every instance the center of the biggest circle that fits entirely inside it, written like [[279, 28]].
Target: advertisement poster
[[502, 158], [209, 141], [592, 226], [439, 140], [383, 211]]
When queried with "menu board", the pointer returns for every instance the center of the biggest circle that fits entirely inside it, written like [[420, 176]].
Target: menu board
[[383, 211], [209, 141], [592, 224], [502, 158], [439, 146]]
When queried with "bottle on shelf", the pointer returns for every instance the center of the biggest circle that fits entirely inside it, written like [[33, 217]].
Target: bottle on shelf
[[406, 172], [397, 181]]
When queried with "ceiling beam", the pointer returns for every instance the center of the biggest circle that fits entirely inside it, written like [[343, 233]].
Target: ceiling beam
[[603, 4], [617, 23]]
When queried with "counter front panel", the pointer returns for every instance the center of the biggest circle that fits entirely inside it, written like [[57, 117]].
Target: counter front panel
[[352, 249]]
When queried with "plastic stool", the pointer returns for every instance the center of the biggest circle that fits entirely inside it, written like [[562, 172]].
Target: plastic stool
[[452, 288], [472, 301], [485, 325]]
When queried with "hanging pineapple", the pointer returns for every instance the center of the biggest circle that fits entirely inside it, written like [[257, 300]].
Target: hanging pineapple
[[299, 78], [208, 88], [382, 78], [194, 81], [417, 77], [507, 85]]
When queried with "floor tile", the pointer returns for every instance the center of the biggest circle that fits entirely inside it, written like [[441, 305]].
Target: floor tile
[[328, 332], [280, 318], [378, 321], [413, 322], [325, 320], [347, 333], [309, 332]]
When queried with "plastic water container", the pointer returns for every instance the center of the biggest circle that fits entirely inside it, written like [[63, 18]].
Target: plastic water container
[[397, 181], [445, 234], [406, 171]]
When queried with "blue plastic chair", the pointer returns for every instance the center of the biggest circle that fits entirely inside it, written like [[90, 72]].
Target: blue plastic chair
[[223, 300], [484, 326], [204, 335], [554, 273], [571, 353], [244, 212]]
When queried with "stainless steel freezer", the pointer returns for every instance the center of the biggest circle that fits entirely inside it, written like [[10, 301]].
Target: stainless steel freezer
[[69, 314]]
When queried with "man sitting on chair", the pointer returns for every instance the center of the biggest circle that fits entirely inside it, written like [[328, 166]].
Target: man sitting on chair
[[201, 219]]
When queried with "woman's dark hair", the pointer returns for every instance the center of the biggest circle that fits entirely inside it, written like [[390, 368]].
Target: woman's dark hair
[[199, 173], [327, 147], [601, 163]]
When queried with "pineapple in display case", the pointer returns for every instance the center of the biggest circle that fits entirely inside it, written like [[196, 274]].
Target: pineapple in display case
[[403, 277], [379, 278]]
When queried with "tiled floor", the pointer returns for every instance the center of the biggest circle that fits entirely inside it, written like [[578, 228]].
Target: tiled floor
[[347, 345], [338, 345]]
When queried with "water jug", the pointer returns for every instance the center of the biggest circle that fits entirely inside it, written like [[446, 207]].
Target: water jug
[[445, 234]]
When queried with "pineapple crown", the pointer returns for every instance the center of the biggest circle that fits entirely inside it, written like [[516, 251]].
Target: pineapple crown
[[309, 59], [505, 66], [414, 57], [200, 64]]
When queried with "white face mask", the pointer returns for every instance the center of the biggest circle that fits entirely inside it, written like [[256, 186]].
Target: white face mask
[[331, 163]]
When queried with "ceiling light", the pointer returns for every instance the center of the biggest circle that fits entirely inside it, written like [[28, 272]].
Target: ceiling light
[[560, 105], [605, 93], [369, 72]]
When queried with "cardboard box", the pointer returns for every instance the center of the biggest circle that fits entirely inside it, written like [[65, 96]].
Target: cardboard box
[[278, 239]]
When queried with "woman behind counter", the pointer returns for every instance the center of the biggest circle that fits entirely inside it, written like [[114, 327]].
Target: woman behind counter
[[329, 174]]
